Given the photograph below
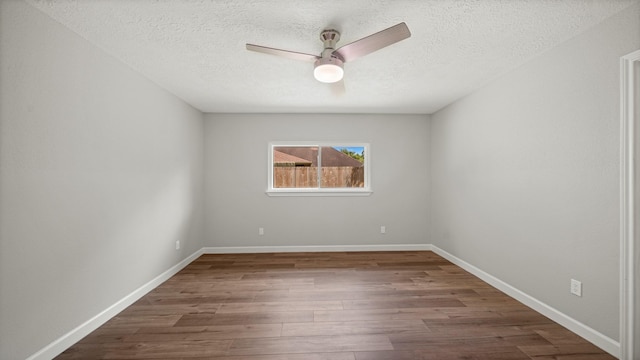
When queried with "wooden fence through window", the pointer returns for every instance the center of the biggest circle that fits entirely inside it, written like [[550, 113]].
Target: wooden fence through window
[[307, 177]]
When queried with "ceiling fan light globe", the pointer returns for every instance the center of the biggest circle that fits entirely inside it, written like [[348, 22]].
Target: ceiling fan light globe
[[328, 70]]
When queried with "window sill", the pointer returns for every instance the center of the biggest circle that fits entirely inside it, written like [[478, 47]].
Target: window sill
[[315, 192]]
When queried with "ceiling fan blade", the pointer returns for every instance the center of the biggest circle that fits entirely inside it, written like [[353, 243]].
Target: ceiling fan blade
[[373, 42], [283, 53]]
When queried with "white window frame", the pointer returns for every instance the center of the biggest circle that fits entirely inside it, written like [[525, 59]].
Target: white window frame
[[361, 191]]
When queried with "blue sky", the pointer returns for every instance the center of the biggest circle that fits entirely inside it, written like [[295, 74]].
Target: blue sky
[[355, 149]]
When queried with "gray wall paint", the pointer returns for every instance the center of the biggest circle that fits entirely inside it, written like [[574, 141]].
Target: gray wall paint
[[236, 180], [101, 172], [525, 174], [636, 255]]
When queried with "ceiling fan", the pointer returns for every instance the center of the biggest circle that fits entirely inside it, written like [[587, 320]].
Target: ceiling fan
[[329, 65]]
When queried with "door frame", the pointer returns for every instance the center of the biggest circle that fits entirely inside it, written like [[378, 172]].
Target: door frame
[[628, 204]]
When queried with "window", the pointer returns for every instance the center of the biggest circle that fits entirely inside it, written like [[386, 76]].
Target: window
[[318, 169]]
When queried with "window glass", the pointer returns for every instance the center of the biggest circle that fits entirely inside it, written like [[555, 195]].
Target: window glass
[[319, 167], [295, 167], [342, 167]]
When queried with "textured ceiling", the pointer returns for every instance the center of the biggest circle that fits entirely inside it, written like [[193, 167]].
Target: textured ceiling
[[196, 49]]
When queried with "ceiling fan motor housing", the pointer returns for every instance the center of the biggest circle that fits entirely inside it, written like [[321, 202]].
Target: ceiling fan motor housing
[[329, 38]]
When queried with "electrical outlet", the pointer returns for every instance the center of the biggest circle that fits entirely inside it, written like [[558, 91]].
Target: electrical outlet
[[383, 229], [177, 244], [576, 287], [260, 231]]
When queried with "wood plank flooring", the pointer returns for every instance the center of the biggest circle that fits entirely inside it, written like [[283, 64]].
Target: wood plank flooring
[[329, 306]]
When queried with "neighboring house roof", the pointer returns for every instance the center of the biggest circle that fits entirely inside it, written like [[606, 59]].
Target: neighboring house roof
[[281, 158], [330, 156]]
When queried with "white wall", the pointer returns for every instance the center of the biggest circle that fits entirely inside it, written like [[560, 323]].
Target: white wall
[[636, 255], [101, 172], [525, 174], [236, 180]]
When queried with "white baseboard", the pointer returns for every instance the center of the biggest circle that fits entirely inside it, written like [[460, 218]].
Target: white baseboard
[[314, 248], [58, 346], [64, 342], [600, 340]]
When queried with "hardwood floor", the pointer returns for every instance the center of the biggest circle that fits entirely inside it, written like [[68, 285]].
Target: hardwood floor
[[329, 306]]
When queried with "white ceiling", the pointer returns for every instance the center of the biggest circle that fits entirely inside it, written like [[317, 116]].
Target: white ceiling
[[196, 49]]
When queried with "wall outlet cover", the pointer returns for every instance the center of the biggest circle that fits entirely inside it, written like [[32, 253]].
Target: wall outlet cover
[[576, 287]]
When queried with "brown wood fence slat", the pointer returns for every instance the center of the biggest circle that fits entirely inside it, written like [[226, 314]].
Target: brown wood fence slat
[[306, 177]]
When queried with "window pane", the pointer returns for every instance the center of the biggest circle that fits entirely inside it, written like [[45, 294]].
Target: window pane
[[342, 167], [312, 167], [295, 167]]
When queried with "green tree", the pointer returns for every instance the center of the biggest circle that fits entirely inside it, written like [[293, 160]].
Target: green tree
[[359, 157]]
